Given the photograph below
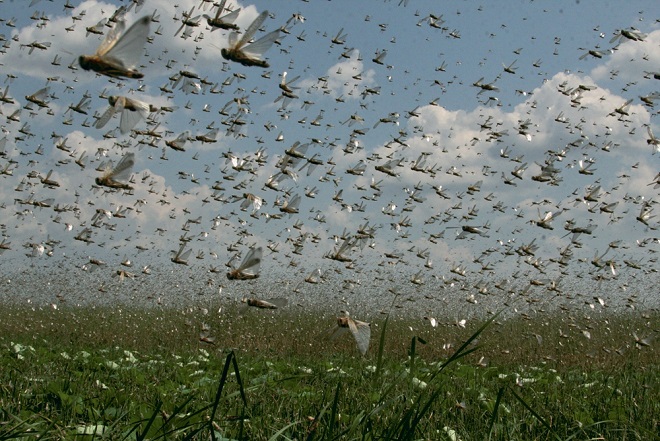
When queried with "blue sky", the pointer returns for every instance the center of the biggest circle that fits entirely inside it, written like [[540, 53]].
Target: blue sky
[[424, 90]]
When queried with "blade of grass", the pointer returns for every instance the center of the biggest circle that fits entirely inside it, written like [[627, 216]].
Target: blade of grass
[[536, 415], [313, 428], [229, 361], [493, 417], [413, 417], [411, 354], [143, 435], [381, 343], [462, 351], [238, 379], [282, 430], [14, 432], [333, 411]]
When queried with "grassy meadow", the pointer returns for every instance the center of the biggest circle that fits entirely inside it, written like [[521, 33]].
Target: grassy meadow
[[113, 373]]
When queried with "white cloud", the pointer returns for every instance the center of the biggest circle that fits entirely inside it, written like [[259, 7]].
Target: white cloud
[[630, 59]]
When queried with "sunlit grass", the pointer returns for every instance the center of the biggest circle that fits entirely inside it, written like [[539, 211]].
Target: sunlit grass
[[144, 374]]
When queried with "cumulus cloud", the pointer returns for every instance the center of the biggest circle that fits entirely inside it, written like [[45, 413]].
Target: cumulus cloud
[[630, 58]]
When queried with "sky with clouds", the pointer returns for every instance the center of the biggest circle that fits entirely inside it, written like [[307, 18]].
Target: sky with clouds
[[439, 109]]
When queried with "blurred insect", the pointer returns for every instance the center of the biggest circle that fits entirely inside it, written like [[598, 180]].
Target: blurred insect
[[120, 52], [82, 107], [39, 97], [181, 256], [179, 143], [652, 140], [340, 254], [97, 29], [113, 177], [315, 276], [251, 199], [432, 321], [340, 38], [266, 304], [291, 206], [132, 112], [380, 56], [361, 331], [249, 268], [188, 22], [251, 54], [37, 45], [643, 342], [205, 334], [226, 21], [208, 137], [287, 88], [5, 98]]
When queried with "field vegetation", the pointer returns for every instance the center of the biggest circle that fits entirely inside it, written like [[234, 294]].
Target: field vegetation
[[115, 373]]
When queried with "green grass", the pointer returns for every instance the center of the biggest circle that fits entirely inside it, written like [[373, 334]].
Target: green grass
[[100, 373]]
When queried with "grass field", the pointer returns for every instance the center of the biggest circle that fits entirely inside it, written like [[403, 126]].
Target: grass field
[[100, 373]]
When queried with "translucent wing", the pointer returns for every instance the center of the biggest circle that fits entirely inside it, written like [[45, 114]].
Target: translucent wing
[[288, 83], [249, 198], [294, 202], [257, 202], [123, 169], [362, 333], [221, 8], [185, 255], [231, 17], [259, 47], [346, 246], [132, 114], [212, 134], [127, 49], [41, 94], [279, 302], [181, 140], [232, 39], [314, 276], [103, 120], [252, 29], [336, 332], [111, 38], [252, 262], [246, 203]]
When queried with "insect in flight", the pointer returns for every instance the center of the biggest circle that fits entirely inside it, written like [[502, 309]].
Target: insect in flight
[[226, 21], [361, 331], [249, 268], [132, 112], [179, 143], [181, 256], [120, 52], [113, 177], [266, 304], [250, 54]]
